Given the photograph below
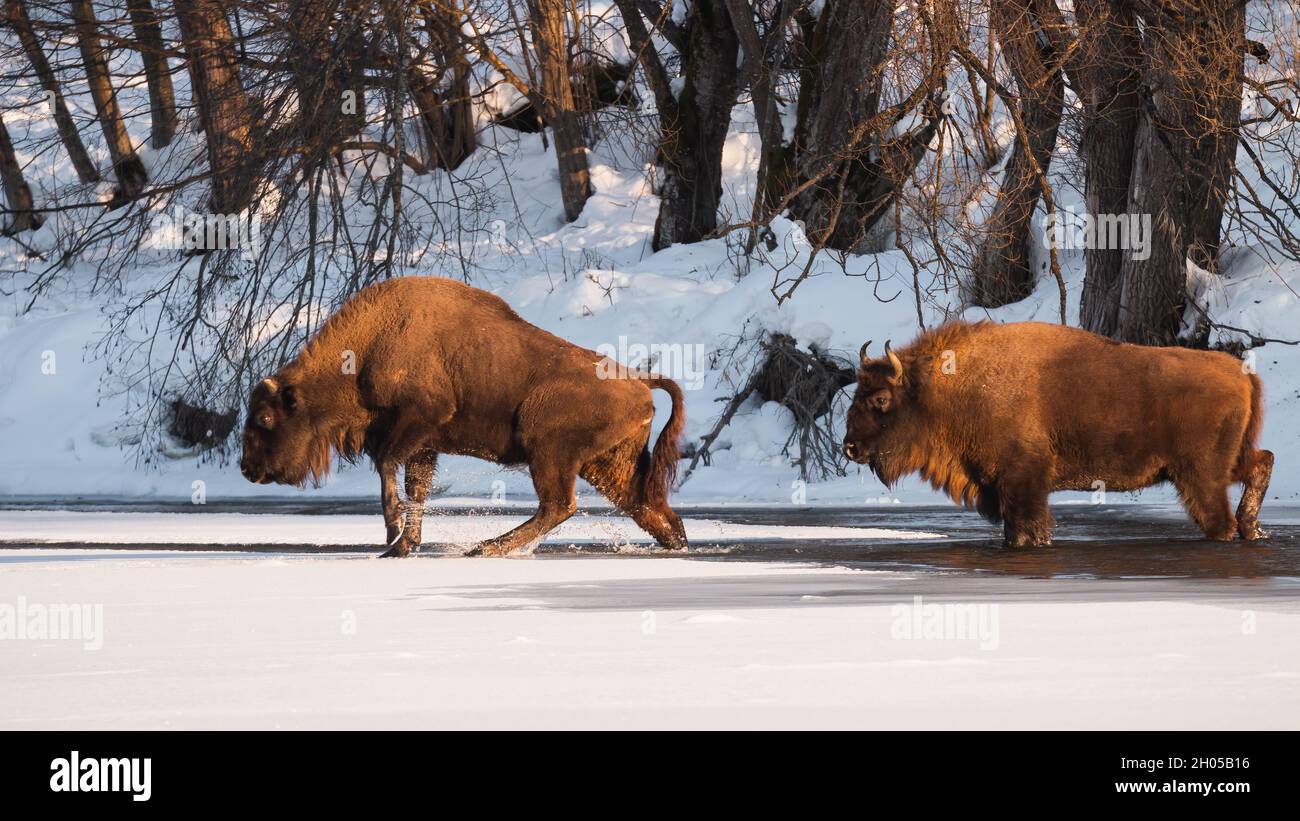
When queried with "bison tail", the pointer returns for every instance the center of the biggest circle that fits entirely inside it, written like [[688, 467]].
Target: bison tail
[[658, 480], [1249, 440]]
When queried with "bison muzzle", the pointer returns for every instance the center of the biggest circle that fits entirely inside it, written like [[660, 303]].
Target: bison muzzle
[[417, 366], [999, 416]]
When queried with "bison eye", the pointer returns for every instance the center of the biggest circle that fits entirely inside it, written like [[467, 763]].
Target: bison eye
[[265, 421], [879, 401]]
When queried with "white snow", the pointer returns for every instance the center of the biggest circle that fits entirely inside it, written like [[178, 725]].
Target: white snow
[[223, 641]]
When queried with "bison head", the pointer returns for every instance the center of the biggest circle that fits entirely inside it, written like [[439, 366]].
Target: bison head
[[875, 405], [280, 444]]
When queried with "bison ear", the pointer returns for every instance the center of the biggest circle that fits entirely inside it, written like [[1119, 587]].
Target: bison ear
[[290, 398], [862, 352], [897, 364]]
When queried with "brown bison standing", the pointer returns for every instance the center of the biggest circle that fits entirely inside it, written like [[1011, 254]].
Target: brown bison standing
[[999, 416], [417, 366]]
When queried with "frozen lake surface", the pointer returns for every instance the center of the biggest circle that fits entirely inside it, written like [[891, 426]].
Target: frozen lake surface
[[1129, 541], [276, 614]]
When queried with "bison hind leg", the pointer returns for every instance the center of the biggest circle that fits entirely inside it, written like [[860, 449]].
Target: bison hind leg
[[663, 523], [1254, 486], [618, 474], [553, 480]]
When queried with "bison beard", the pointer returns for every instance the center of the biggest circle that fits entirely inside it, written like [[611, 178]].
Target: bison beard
[[999, 416], [417, 366]]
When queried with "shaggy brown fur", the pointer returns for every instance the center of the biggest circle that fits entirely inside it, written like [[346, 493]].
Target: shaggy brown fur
[[999, 416], [417, 366]]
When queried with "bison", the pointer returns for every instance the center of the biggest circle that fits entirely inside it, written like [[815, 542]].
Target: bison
[[417, 366], [999, 416]]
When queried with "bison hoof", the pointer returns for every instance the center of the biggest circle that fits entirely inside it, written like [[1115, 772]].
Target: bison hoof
[[497, 550], [397, 551], [1024, 541], [1254, 534]]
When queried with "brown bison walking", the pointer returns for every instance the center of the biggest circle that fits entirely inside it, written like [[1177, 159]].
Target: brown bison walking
[[998, 416], [417, 366]]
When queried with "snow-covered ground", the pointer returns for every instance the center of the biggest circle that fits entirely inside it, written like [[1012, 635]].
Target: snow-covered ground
[[239, 641]]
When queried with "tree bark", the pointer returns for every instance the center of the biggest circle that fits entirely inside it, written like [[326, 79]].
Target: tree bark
[[1218, 112], [131, 176], [162, 99], [764, 59], [1106, 73], [694, 130], [556, 101], [694, 112], [839, 101], [447, 116], [223, 107], [22, 24], [18, 196], [780, 174], [850, 157], [1002, 272], [1185, 154]]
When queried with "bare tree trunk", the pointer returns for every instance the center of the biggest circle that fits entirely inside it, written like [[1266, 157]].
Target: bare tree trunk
[[162, 99], [18, 196], [1106, 72], [1219, 111], [849, 158], [694, 111], [219, 96], [557, 103], [1002, 272], [837, 105], [763, 61], [22, 24], [1186, 150], [447, 116], [780, 174], [131, 176], [694, 130]]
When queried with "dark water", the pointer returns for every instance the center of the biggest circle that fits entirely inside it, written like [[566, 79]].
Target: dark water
[[1120, 542], [1128, 542]]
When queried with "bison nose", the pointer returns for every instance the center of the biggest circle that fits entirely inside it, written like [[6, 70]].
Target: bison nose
[[850, 450]]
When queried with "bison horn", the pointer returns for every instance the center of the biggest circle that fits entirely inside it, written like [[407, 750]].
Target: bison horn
[[862, 353], [896, 362], [271, 385]]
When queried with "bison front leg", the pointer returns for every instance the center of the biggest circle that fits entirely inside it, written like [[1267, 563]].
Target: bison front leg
[[1022, 492], [394, 515], [1207, 502], [419, 476]]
